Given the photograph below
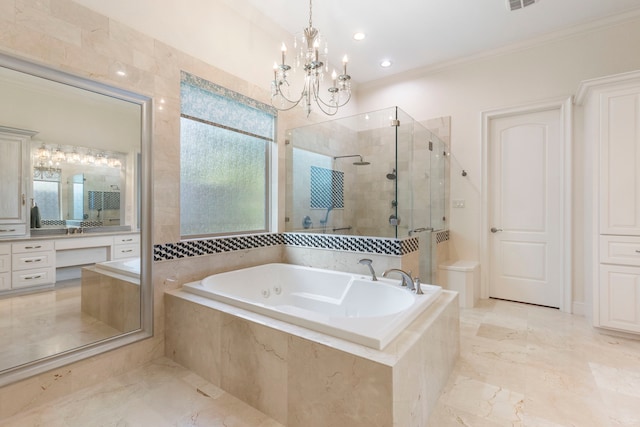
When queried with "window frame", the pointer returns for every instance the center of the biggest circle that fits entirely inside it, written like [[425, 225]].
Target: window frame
[[270, 145]]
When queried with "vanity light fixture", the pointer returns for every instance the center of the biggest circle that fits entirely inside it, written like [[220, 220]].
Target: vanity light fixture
[[311, 59], [58, 156], [73, 157], [43, 153], [46, 157], [89, 158], [101, 159]]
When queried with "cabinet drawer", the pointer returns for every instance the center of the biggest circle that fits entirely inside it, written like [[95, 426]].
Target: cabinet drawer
[[32, 246], [126, 251], [621, 250], [35, 277], [619, 298], [5, 281], [27, 261], [5, 263], [8, 230], [125, 240]]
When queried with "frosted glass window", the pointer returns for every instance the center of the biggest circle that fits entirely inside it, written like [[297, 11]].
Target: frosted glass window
[[46, 194], [224, 161]]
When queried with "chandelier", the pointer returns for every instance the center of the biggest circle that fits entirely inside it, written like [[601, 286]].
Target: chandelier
[[311, 59]]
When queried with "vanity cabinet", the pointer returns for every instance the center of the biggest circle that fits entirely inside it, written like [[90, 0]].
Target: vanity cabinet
[[32, 264], [612, 189], [619, 283], [126, 246], [5, 267], [14, 177]]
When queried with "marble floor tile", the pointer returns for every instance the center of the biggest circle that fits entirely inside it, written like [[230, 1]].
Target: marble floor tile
[[543, 368], [523, 365], [160, 394], [37, 325]]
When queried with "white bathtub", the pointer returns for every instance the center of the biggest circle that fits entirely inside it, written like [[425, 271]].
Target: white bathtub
[[127, 267], [344, 305]]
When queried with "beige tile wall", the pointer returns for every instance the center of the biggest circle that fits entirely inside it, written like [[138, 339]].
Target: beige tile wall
[[66, 36]]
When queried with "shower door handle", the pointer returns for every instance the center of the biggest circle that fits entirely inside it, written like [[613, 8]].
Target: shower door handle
[[420, 230], [495, 230]]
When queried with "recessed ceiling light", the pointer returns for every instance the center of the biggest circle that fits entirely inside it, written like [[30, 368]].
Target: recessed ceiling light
[[359, 36], [121, 73], [385, 63]]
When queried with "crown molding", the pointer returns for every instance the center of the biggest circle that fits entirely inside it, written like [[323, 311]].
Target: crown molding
[[554, 36]]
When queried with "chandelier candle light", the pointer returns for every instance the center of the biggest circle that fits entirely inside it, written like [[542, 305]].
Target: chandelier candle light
[[313, 61]]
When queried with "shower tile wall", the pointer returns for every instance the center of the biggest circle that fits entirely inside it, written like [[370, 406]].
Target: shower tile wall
[[317, 146], [375, 193]]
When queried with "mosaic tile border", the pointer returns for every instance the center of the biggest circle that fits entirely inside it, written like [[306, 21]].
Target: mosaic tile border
[[53, 222], [191, 248], [346, 243], [442, 236]]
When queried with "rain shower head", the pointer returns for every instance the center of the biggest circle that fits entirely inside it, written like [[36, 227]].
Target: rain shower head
[[391, 176], [361, 162]]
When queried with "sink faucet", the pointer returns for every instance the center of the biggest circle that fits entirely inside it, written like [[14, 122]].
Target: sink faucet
[[406, 280], [368, 262]]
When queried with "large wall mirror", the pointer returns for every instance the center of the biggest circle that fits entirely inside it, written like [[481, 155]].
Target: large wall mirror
[[89, 177]]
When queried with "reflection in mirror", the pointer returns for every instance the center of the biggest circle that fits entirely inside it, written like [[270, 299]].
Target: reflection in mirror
[[73, 183], [76, 281]]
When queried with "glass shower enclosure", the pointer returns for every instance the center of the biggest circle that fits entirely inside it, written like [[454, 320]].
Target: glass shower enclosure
[[377, 174]]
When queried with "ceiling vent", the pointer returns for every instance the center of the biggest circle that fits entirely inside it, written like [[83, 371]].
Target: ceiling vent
[[519, 4]]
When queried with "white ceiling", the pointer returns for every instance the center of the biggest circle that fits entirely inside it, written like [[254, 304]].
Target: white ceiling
[[416, 34]]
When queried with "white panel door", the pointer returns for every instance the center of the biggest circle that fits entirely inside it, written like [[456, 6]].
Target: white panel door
[[525, 201]]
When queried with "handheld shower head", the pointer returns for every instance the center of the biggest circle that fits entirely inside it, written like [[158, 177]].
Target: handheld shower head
[[391, 176]]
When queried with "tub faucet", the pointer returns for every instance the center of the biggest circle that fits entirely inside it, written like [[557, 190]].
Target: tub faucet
[[406, 280], [368, 262]]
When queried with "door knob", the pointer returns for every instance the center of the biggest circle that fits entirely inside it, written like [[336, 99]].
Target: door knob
[[495, 230]]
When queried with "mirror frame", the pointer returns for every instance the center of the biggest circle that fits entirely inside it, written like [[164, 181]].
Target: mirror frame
[[39, 366]]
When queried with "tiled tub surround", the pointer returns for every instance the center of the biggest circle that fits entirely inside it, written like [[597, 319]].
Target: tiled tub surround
[[375, 245], [111, 298], [305, 378], [320, 250]]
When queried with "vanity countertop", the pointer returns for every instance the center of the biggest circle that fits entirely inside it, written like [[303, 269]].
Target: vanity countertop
[[57, 236]]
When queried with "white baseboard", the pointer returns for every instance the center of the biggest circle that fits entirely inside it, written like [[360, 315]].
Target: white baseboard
[[578, 308]]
